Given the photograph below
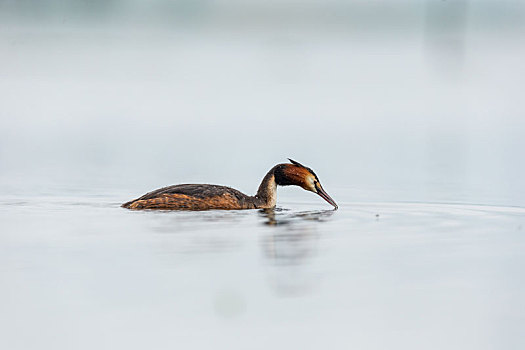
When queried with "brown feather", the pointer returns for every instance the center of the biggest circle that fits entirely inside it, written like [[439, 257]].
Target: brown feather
[[205, 197]]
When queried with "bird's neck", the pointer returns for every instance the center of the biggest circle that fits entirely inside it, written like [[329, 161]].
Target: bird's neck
[[266, 196]]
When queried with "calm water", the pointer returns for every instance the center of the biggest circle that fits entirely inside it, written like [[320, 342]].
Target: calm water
[[80, 272], [397, 106]]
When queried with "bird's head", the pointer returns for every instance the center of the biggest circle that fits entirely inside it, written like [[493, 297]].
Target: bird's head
[[299, 175]]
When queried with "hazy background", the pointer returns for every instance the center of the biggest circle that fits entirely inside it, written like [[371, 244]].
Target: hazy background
[[388, 100]]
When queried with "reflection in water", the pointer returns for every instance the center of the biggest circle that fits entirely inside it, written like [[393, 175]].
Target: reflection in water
[[290, 249], [280, 216], [186, 233]]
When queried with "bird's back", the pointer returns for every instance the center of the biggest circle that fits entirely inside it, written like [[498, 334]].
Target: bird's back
[[192, 197]]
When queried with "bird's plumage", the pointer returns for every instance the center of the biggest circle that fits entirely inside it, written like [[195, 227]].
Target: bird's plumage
[[205, 197], [192, 197]]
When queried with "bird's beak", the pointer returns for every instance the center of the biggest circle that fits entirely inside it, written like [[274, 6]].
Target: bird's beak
[[325, 196]]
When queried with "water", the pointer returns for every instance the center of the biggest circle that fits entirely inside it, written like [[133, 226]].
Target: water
[[410, 113], [81, 272]]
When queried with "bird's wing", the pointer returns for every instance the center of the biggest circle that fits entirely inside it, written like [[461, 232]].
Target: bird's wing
[[194, 190]]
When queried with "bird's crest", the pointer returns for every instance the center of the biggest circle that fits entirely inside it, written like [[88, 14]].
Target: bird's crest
[[296, 163]]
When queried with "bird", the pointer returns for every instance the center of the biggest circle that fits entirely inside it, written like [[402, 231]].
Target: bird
[[208, 197]]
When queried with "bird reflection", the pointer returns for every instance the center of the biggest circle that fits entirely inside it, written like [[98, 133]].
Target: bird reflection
[[278, 216], [290, 249]]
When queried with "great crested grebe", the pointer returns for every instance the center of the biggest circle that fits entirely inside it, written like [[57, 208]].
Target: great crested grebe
[[205, 197]]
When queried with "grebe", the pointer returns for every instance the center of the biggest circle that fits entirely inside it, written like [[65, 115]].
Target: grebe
[[205, 197]]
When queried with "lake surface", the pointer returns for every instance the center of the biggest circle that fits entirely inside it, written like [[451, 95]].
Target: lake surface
[[80, 272], [410, 112]]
